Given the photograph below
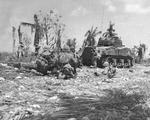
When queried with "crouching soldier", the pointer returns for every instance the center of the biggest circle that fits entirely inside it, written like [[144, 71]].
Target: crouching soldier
[[106, 65], [68, 71], [42, 65], [109, 70]]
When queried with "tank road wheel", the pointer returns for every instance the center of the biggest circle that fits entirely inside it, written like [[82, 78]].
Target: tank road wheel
[[110, 61], [107, 59], [122, 63], [126, 64], [114, 62], [119, 63], [101, 62]]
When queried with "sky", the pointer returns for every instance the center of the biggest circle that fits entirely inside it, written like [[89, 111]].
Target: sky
[[131, 18]]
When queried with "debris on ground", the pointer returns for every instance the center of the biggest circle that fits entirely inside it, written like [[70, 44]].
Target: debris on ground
[[2, 79], [18, 77], [67, 71], [147, 72], [131, 70], [26, 95], [96, 74], [110, 71]]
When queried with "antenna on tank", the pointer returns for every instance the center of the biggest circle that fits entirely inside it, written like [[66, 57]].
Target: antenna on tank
[[102, 19], [103, 14]]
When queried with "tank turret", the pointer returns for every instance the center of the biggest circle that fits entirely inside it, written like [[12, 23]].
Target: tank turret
[[110, 38]]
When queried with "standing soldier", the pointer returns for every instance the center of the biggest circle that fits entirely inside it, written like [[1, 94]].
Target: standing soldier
[[37, 34]]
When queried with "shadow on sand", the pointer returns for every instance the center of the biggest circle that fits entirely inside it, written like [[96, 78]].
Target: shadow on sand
[[116, 105]]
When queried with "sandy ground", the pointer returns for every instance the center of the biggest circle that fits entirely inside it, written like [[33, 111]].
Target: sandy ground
[[25, 95]]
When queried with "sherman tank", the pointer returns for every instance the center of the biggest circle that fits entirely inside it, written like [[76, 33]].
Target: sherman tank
[[109, 49]]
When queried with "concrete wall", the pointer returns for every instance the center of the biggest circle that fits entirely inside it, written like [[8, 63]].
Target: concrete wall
[[28, 33]]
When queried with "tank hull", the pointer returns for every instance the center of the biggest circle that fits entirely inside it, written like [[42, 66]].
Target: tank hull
[[117, 56]]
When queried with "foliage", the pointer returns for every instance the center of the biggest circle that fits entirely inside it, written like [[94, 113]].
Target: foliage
[[51, 27], [90, 37], [72, 44]]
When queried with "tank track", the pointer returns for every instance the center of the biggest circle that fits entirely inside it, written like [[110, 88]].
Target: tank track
[[116, 61]]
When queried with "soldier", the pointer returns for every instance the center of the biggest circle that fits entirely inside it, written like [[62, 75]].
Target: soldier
[[140, 54], [94, 58], [67, 71], [42, 65], [106, 65], [37, 34], [20, 51], [51, 61], [109, 70]]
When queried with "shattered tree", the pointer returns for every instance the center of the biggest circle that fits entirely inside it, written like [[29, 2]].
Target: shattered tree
[[72, 44], [14, 39], [90, 37], [51, 28], [37, 34], [47, 29], [51, 56]]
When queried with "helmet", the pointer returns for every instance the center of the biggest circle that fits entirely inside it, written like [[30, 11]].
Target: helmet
[[106, 64]]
